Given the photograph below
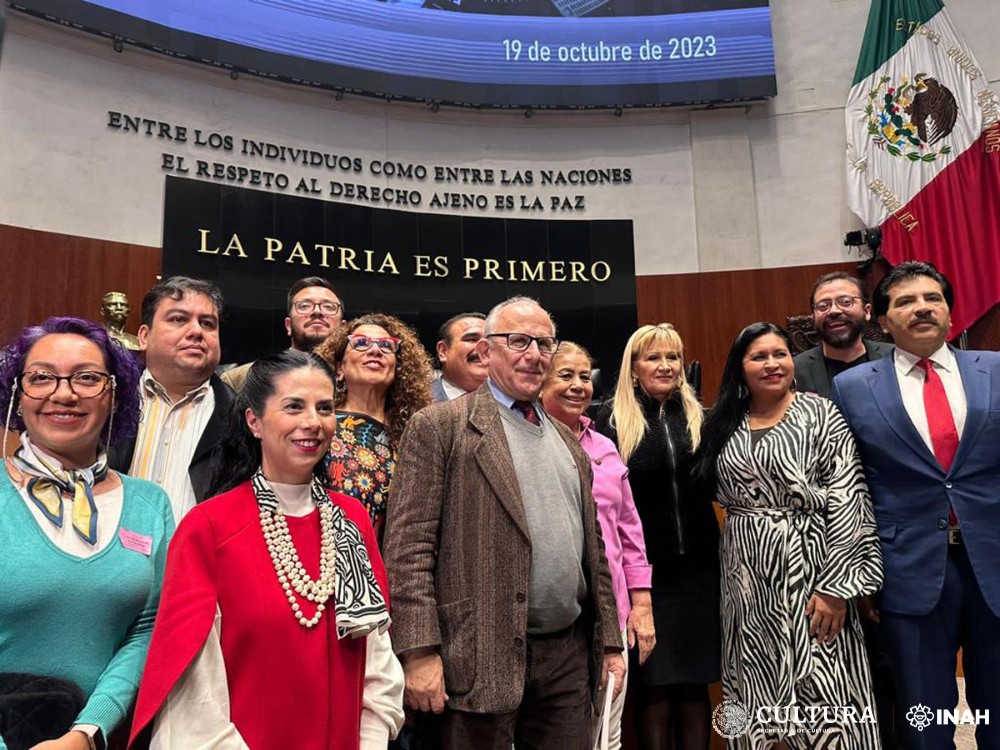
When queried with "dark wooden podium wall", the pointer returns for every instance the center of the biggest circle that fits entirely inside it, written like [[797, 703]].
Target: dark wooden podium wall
[[44, 273]]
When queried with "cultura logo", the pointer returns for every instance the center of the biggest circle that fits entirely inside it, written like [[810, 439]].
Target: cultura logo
[[920, 716], [731, 719]]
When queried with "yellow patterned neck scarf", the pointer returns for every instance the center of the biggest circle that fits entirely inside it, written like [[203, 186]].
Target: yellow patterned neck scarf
[[50, 482]]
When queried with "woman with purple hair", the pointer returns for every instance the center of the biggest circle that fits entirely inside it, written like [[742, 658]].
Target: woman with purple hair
[[83, 547]]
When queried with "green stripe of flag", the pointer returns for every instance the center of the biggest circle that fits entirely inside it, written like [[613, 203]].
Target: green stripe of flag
[[890, 25]]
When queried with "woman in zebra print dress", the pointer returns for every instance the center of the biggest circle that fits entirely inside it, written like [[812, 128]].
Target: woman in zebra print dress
[[798, 545]]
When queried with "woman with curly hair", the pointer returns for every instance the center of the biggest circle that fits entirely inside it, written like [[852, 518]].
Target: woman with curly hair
[[84, 547], [383, 379]]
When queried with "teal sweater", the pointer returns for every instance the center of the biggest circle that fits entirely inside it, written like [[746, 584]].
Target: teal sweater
[[84, 620]]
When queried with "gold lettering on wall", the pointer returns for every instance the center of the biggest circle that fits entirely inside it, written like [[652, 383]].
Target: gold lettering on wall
[[367, 260]]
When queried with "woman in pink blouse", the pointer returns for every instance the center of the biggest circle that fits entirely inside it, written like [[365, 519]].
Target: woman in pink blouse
[[565, 396]]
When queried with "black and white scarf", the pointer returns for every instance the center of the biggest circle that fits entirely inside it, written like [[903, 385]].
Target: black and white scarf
[[358, 601]]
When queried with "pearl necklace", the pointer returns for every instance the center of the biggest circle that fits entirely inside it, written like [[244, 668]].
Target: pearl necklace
[[291, 573]]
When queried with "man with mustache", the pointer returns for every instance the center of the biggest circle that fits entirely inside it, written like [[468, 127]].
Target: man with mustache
[[927, 423], [839, 314], [314, 312], [503, 613], [462, 369], [185, 406]]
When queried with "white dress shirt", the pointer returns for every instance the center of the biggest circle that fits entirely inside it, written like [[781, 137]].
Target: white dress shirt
[[451, 391], [911, 387]]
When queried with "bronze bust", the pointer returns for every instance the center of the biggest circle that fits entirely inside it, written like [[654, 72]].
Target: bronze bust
[[114, 313]]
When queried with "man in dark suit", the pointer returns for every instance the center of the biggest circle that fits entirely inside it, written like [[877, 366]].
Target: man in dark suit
[[927, 423], [839, 314], [462, 369], [185, 406], [503, 613]]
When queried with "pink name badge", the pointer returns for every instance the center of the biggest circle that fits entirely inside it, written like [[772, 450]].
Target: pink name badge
[[136, 542]]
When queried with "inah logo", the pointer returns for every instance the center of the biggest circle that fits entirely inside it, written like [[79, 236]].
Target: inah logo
[[731, 719], [920, 716]]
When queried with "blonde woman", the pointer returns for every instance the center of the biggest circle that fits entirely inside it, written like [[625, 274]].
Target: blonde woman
[[655, 420]]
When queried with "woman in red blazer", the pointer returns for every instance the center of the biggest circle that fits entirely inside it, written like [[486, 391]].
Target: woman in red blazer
[[273, 621]]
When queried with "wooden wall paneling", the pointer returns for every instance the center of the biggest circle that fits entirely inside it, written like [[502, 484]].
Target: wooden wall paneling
[[985, 334], [46, 274], [709, 309]]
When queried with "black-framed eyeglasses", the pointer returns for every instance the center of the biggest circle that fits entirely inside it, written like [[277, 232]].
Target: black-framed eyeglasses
[[39, 384], [388, 344], [519, 342], [844, 302], [305, 307]]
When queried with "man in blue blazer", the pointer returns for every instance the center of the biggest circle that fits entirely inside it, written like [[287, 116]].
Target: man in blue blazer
[[927, 423]]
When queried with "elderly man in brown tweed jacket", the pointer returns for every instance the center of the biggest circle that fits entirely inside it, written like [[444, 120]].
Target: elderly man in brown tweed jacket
[[503, 612]]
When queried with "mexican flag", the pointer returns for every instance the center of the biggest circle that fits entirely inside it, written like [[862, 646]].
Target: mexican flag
[[923, 150]]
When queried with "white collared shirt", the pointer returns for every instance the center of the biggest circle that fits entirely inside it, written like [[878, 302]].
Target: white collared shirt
[[451, 391], [167, 439], [911, 388]]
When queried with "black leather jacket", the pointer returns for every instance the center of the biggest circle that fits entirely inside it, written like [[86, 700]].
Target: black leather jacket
[[677, 515]]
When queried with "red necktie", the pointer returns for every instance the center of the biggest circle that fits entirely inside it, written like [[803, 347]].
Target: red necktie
[[526, 410], [944, 435]]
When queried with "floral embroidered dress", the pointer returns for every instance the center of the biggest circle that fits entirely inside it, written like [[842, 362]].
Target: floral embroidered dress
[[362, 460]]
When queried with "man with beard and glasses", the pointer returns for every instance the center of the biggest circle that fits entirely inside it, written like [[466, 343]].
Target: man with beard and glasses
[[840, 312], [314, 312], [462, 369]]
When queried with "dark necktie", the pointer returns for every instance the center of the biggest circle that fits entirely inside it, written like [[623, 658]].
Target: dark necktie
[[526, 410], [940, 422]]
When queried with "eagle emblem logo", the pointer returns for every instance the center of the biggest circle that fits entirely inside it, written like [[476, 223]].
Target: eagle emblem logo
[[909, 118]]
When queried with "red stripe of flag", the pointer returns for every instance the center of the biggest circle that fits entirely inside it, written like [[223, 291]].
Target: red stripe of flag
[[957, 229]]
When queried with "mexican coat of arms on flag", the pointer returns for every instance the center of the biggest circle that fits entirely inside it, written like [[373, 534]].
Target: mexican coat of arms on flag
[[923, 151]]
